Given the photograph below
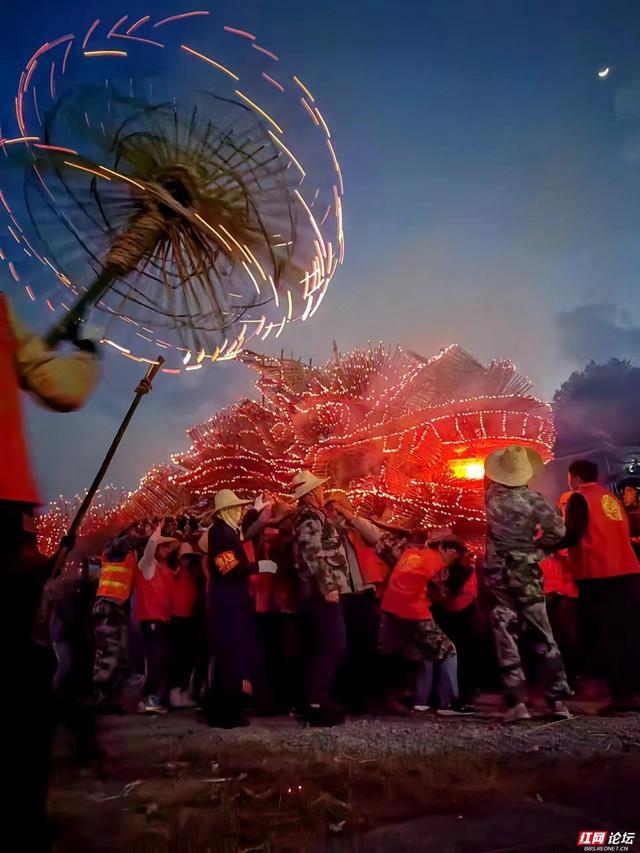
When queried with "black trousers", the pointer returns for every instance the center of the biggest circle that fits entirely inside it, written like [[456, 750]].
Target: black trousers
[[183, 651], [356, 678], [328, 648], [156, 642], [27, 671], [280, 636], [614, 605], [464, 629]]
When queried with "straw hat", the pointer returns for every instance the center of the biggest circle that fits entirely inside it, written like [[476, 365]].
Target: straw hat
[[305, 482], [387, 521], [513, 466], [162, 540], [225, 499], [443, 534]]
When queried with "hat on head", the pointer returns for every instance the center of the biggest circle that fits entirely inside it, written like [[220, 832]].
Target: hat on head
[[513, 466], [387, 520], [225, 499], [162, 540], [305, 482], [443, 534]]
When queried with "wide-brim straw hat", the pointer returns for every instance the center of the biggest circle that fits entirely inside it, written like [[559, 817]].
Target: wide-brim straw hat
[[162, 540], [443, 534], [513, 466], [394, 524], [225, 499], [305, 482]]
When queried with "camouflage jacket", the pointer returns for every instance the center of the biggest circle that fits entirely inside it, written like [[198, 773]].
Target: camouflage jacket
[[391, 546], [319, 552], [520, 524]]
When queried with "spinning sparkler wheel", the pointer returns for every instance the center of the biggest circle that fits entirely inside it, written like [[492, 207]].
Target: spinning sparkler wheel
[[179, 212]]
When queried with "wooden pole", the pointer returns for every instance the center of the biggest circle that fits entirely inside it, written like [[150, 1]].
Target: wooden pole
[[66, 544]]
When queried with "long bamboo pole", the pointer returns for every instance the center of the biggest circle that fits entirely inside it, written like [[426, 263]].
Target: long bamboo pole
[[67, 543]]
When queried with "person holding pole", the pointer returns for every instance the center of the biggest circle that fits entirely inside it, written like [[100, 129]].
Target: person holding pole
[[63, 384]]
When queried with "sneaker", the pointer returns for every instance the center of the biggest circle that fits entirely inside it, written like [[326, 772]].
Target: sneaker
[[517, 714], [323, 717], [420, 709], [151, 705], [457, 709], [559, 710]]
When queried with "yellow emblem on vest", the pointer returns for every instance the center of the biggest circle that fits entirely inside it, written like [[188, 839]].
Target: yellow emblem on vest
[[611, 508]]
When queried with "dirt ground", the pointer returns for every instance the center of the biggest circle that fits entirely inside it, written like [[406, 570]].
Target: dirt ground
[[171, 784]]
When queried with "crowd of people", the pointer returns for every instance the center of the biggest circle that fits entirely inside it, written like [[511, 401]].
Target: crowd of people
[[302, 606]]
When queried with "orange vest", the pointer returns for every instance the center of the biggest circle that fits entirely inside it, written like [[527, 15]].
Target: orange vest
[[16, 479], [153, 597], [116, 579], [373, 568], [184, 593], [605, 550], [406, 592]]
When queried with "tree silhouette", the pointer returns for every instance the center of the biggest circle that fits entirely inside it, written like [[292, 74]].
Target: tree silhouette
[[597, 406]]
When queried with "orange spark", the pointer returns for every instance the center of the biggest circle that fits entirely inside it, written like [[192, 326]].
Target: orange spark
[[178, 18], [210, 61], [259, 110], [268, 53], [240, 33], [299, 82], [87, 169], [90, 32], [106, 53]]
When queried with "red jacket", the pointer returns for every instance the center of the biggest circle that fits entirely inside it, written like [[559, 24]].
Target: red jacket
[[605, 549], [153, 597], [406, 592]]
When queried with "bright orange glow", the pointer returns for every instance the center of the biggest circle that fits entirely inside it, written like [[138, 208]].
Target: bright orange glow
[[471, 468], [210, 61]]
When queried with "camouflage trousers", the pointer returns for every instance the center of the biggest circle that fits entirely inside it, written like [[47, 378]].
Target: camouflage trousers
[[111, 626], [519, 611], [416, 640]]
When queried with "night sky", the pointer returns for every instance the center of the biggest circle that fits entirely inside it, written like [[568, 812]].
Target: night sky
[[492, 187]]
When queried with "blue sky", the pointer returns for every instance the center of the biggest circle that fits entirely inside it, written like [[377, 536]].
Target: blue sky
[[492, 195]]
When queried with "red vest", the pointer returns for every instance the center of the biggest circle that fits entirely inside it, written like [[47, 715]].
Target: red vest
[[373, 568], [406, 592], [605, 550], [116, 579], [153, 597], [16, 479], [184, 593]]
